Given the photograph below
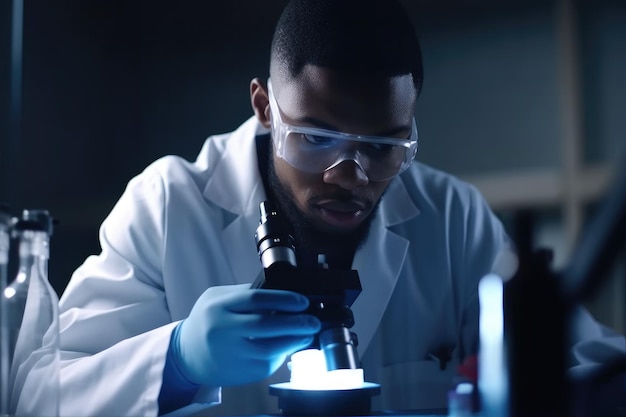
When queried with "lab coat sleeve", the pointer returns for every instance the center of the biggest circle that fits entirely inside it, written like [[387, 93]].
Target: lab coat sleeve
[[593, 346], [115, 323]]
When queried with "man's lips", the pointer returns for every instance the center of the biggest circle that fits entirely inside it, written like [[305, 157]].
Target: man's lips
[[343, 206], [345, 214]]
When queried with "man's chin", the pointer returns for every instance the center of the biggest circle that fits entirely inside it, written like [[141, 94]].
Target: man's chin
[[336, 236]]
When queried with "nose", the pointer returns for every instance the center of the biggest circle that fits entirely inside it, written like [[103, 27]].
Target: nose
[[347, 174]]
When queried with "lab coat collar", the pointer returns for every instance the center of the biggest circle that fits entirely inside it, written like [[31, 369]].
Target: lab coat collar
[[236, 187], [379, 261]]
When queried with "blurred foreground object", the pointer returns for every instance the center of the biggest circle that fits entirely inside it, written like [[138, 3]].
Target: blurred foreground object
[[541, 311]]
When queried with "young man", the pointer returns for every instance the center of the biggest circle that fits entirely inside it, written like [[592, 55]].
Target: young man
[[165, 316]]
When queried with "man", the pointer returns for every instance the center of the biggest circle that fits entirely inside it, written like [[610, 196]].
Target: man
[[165, 317]]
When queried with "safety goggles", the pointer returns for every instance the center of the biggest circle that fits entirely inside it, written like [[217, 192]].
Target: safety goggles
[[315, 150]]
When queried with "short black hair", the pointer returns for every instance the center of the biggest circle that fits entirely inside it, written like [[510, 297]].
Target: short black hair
[[364, 37]]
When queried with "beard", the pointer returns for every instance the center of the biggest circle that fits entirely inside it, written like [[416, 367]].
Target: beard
[[338, 246]]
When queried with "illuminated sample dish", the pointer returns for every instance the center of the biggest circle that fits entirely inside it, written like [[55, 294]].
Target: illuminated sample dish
[[315, 391]]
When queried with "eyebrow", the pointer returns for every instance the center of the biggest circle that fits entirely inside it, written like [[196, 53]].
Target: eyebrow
[[323, 125]]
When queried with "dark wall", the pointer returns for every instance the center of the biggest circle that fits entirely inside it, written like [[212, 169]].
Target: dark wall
[[110, 86]]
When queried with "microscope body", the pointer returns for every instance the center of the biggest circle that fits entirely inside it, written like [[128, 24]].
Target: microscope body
[[331, 292]]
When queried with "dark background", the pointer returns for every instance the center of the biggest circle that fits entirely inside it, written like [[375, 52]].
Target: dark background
[[110, 86]]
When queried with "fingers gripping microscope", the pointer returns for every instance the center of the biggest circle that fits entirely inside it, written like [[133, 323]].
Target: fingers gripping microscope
[[331, 292]]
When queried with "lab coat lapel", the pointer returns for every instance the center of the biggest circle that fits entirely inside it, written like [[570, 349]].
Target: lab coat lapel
[[379, 262], [242, 255], [239, 197]]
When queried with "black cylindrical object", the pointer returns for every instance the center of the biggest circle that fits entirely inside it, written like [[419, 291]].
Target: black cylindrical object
[[339, 349], [275, 245], [535, 330]]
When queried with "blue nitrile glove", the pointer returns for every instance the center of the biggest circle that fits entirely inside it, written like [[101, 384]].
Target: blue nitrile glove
[[235, 335]]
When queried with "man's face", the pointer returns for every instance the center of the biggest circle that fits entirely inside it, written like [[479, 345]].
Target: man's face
[[338, 201]]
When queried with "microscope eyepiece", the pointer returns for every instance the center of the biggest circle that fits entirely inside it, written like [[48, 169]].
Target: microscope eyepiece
[[274, 242]]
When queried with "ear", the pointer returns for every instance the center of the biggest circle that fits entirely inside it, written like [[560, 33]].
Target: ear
[[260, 101]]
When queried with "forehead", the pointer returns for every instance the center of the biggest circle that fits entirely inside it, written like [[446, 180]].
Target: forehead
[[356, 104]]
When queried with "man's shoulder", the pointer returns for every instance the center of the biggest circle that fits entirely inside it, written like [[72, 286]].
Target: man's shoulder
[[175, 168], [426, 182], [168, 170]]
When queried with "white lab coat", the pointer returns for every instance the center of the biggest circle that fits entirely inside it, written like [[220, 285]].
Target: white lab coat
[[182, 227]]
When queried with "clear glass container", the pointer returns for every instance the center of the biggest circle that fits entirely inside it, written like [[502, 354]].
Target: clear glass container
[[33, 322], [5, 224]]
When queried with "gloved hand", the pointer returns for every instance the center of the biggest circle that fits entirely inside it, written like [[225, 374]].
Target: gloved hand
[[235, 335]]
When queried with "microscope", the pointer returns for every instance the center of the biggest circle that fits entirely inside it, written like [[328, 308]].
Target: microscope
[[331, 292]]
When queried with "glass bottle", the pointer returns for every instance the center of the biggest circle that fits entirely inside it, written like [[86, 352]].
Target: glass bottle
[[33, 322], [5, 225]]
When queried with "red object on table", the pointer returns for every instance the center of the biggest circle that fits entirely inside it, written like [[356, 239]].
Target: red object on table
[[469, 368]]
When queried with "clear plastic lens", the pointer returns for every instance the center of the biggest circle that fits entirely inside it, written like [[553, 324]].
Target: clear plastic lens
[[311, 157], [315, 150], [317, 141], [379, 161]]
